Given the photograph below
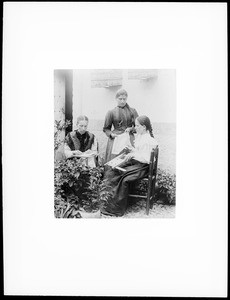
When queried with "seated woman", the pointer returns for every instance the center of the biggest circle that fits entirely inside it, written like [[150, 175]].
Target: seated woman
[[81, 143], [136, 165]]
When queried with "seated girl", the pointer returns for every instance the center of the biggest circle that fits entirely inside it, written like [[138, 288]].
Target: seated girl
[[81, 143], [136, 165]]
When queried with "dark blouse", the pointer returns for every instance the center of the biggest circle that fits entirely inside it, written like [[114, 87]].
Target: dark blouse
[[77, 141], [120, 118]]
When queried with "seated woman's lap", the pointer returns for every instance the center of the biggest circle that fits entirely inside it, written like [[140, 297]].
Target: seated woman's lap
[[134, 170]]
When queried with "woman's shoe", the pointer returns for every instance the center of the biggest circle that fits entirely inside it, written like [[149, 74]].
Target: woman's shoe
[[106, 213]]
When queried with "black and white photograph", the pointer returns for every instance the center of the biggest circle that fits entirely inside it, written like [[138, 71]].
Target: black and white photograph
[[115, 143], [114, 149]]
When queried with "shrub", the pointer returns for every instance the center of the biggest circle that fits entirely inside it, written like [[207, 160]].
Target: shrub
[[68, 208], [59, 126], [165, 187], [78, 186]]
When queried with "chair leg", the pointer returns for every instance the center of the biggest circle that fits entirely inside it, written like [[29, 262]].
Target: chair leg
[[148, 198], [151, 202], [147, 204], [153, 191]]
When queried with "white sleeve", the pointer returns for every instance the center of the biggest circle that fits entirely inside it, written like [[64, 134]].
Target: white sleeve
[[94, 146], [142, 154], [67, 151]]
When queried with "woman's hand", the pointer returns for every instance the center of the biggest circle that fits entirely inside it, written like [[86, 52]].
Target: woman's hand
[[128, 129], [131, 148], [113, 135], [88, 151], [128, 149], [76, 152], [129, 156]]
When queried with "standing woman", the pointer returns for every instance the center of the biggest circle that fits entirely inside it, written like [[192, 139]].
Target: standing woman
[[122, 118]]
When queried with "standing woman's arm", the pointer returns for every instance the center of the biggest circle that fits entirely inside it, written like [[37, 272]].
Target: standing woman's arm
[[108, 123], [135, 114]]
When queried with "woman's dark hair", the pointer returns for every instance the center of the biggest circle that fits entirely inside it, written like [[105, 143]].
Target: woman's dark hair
[[144, 120], [121, 92], [124, 92]]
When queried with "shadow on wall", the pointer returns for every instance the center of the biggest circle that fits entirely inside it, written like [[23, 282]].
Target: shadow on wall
[[165, 133]]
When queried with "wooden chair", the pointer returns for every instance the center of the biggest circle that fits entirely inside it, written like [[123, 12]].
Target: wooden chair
[[151, 180]]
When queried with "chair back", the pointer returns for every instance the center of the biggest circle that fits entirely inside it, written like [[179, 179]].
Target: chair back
[[152, 177], [153, 162]]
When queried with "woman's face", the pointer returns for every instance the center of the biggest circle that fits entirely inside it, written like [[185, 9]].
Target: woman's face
[[82, 126], [121, 100], [139, 128]]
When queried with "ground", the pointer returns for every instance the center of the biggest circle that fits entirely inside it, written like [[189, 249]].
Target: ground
[[137, 210]]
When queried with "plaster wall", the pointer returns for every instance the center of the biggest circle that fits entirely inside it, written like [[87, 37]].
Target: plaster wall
[[155, 98]]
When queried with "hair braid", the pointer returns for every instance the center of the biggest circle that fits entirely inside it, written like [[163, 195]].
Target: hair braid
[[151, 130], [144, 120]]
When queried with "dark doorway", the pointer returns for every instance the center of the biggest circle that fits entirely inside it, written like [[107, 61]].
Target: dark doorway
[[69, 98]]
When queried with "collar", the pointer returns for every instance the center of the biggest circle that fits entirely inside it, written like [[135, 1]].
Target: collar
[[122, 107], [81, 135]]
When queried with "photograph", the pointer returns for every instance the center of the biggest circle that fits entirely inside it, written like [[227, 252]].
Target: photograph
[[115, 143], [115, 114]]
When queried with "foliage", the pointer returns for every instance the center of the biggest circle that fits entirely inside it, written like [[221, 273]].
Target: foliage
[[59, 127], [78, 186], [68, 208], [97, 192], [165, 187]]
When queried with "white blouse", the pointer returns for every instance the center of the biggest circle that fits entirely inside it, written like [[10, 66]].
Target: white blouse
[[144, 144]]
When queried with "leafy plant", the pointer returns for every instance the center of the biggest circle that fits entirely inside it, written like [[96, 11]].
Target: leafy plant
[[59, 126], [165, 187], [68, 208], [97, 192], [77, 187]]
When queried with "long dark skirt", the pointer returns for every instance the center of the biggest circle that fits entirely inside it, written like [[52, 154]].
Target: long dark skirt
[[120, 185]]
